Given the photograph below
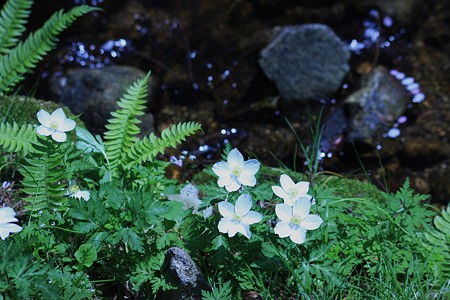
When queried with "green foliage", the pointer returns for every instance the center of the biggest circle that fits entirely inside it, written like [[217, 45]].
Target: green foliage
[[15, 138], [15, 62], [122, 127], [13, 19], [438, 243]]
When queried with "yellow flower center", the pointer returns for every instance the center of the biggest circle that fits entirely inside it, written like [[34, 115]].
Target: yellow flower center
[[236, 171], [54, 125], [293, 193], [74, 188]]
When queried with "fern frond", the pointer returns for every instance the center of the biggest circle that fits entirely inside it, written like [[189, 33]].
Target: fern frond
[[13, 17], [122, 128], [27, 54], [15, 138], [438, 242], [150, 146], [43, 175]]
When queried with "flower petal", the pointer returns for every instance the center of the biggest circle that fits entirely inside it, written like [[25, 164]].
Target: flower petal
[[234, 228], [246, 178], [58, 116], [277, 190], [311, 222], [222, 169], [44, 118], [252, 217], [298, 236], [283, 229], [286, 182], [232, 186], [59, 136], [301, 207], [6, 229], [251, 166], [42, 130], [302, 187], [223, 225], [244, 229], [226, 209], [235, 158], [243, 204], [67, 125], [84, 194], [284, 212], [7, 215]]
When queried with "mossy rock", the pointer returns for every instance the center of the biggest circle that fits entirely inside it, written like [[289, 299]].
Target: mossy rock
[[23, 109]]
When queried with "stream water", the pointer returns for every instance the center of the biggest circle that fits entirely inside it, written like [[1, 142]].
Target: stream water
[[203, 56]]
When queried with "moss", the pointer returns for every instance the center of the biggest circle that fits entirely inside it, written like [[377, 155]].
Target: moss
[[23, 109]]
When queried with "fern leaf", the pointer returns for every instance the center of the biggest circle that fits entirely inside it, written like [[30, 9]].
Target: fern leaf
[[27, 54], [122, 127], [149, 147], [43, 174], [438, 242], [13, 18], [15, 138]]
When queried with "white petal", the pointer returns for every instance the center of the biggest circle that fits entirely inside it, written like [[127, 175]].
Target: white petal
[[226, 209], [311, 222], [223, 225], [252, 217], [225, 181], [42, 130], [301, 207], [222, 169], [59, 136], [302, 187], [251, 166], [243, 204], [234, 228], [283, 229], [67, 125], [277, 190], [298, 236], [245, 230], [286, 182], [284, 212], [7, 215], [235, 158], [247, 179], [6, 229], [207, 212], [233, 186], [44, 118], [58, 116], [84, 194]]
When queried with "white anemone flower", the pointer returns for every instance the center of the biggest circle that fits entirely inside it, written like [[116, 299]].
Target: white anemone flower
[[296, 220], [291, 191], [7, 215], [235, 171], [55, 124], [75, 192], [188, 196], [238, 218]]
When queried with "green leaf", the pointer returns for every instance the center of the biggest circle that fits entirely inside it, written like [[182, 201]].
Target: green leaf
[[86, 254]]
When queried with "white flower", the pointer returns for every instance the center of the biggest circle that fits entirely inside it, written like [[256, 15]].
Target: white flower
[[238, 218], [296, 220], [55, 124], [74, 191], [188, 196], [7, 215], [291, 191], [207, 212], [236, 172]]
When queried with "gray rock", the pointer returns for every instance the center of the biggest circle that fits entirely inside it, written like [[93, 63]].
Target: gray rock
[[182, 272], [375, 106], [305, 61], [93, 93]]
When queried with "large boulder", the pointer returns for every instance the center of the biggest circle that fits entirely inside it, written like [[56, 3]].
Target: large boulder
[[94, 93], [306, 61]]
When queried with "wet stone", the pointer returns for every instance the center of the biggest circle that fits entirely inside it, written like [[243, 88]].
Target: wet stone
[[306, 62], [94, 93], [374, 107], [183, 274], [424, 152]]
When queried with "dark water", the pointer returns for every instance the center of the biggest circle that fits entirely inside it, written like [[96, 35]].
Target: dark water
[[203, 56]]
